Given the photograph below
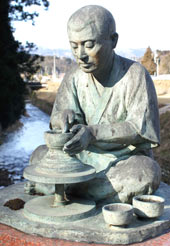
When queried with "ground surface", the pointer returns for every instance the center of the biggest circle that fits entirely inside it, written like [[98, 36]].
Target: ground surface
[[12, 237]]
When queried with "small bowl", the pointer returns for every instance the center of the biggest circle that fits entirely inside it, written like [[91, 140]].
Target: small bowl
[[148, 206], [55, 139], [118, 214]]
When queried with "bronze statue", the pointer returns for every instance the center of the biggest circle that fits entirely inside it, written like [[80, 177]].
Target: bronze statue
[[109, 103]]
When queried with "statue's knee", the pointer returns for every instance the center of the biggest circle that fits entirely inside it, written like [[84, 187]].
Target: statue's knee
[[136, 175], [38, 154], [147, 171], [141, 169]]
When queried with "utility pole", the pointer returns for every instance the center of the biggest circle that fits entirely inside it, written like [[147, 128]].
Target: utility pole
[[54, 76], [157, 61]]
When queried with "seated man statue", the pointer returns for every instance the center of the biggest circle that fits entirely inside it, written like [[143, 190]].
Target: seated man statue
[[109, 103]]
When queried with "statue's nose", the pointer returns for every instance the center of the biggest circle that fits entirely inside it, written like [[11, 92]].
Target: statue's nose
[[81, 54]]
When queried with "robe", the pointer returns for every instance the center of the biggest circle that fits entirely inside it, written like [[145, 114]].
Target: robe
[[128, 105]]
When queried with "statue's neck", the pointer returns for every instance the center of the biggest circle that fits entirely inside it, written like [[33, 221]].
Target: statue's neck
[[103, 75]]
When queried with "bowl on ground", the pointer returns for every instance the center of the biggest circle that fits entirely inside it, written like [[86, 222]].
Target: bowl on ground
[[148, 206], [118, 214]]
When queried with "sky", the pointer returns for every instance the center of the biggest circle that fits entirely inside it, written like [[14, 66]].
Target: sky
[[140, 23]]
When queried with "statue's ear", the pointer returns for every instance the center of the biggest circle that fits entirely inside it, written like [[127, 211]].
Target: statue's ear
[[114, 38]]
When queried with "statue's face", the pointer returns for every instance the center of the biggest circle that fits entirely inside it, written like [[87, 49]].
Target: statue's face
[[91, 50]]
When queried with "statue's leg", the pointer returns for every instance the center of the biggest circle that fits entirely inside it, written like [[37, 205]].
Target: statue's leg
[[33, 187], [138, 174]]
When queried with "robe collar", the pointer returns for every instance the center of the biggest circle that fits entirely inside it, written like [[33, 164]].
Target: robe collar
[[101, 101]]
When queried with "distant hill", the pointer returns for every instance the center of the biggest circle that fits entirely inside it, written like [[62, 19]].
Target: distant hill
[[131, 53], [128, 53], [51, 52]]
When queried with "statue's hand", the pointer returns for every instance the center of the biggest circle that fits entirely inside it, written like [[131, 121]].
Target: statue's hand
[[82, 138], [66, 120]]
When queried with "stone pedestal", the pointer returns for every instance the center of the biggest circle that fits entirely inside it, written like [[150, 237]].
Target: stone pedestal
[[92, 229]]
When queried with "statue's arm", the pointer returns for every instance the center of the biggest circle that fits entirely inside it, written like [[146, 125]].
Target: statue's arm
[[119, 133], [142, 122], [141, 125], [66, 110], [100, 134]]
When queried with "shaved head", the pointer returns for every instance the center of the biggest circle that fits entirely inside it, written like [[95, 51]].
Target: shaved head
[[92, 36], [99, 18]]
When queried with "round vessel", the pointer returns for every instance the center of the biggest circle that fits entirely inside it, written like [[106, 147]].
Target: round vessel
[[118, 214], [56, 139], [148, 206]]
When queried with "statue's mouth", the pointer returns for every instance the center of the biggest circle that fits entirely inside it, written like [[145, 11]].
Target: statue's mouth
[[85, 65]]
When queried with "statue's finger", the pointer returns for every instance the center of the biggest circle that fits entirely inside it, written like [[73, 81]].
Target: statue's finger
[[65, 127], [65, 124], [75, 128], [73, 151], [71, 118], [73, 143]]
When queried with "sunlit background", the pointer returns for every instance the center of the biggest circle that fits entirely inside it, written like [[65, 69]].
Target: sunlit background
[[140, 23]]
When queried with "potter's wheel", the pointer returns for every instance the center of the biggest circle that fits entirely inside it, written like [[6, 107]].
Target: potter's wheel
[[58, 168]]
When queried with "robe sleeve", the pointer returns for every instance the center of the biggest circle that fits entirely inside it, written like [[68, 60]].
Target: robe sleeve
[[142, 121], [66, 98], [142, 106]]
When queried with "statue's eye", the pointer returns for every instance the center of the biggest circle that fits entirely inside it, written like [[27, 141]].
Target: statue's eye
[[74, 45], [89, 44]]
